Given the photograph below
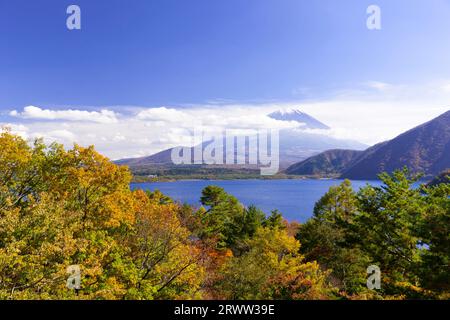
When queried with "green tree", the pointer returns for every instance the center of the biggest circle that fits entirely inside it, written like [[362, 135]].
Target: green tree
[[226, 219], [434, 233], [397, 226], [274, 220], [328, 238], [385, 230]]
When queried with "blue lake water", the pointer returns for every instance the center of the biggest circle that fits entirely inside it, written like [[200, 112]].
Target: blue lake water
[[295, 199]]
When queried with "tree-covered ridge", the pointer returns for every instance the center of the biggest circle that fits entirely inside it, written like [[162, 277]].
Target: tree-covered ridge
[[60, 208], [443, 177], [423, 149]]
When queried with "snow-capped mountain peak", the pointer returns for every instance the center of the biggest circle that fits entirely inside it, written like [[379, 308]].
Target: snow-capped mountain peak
[[297, 115]]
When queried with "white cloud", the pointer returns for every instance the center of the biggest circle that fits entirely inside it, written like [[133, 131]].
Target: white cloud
[[58, 135], [369, 117], [378, 85], [18, 129], [32, 112], [162, 114], [62, 136], [119, 137]]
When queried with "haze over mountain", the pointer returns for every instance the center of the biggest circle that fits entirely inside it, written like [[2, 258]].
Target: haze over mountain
[[309, 138], [423, 149], [162, 157], [296, 144]]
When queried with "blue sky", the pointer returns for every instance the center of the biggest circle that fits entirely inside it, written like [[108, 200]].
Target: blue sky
[[174, 53], [156, 52]]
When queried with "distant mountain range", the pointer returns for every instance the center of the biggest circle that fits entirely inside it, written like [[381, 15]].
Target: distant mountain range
[[295, 144], [424, 149], [163, 157]]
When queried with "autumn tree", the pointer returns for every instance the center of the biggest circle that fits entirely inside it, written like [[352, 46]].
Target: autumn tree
[[272, 268], [60, 208], [75, 207], [166, 262]]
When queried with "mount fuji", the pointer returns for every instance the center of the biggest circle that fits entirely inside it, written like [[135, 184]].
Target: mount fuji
[[299, 143], [298, 116], [296, 144]]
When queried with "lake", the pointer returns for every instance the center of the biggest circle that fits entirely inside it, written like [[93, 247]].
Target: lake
[[295, 199]]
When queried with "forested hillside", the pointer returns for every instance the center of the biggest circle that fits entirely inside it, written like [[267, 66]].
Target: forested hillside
[[60, 208], [423, 149]]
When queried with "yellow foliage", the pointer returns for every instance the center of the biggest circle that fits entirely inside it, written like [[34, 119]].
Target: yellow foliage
[[60, 208]]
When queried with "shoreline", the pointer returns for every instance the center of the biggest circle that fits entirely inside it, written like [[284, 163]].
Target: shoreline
[[247, 179], [265, 178], [169, 180]]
